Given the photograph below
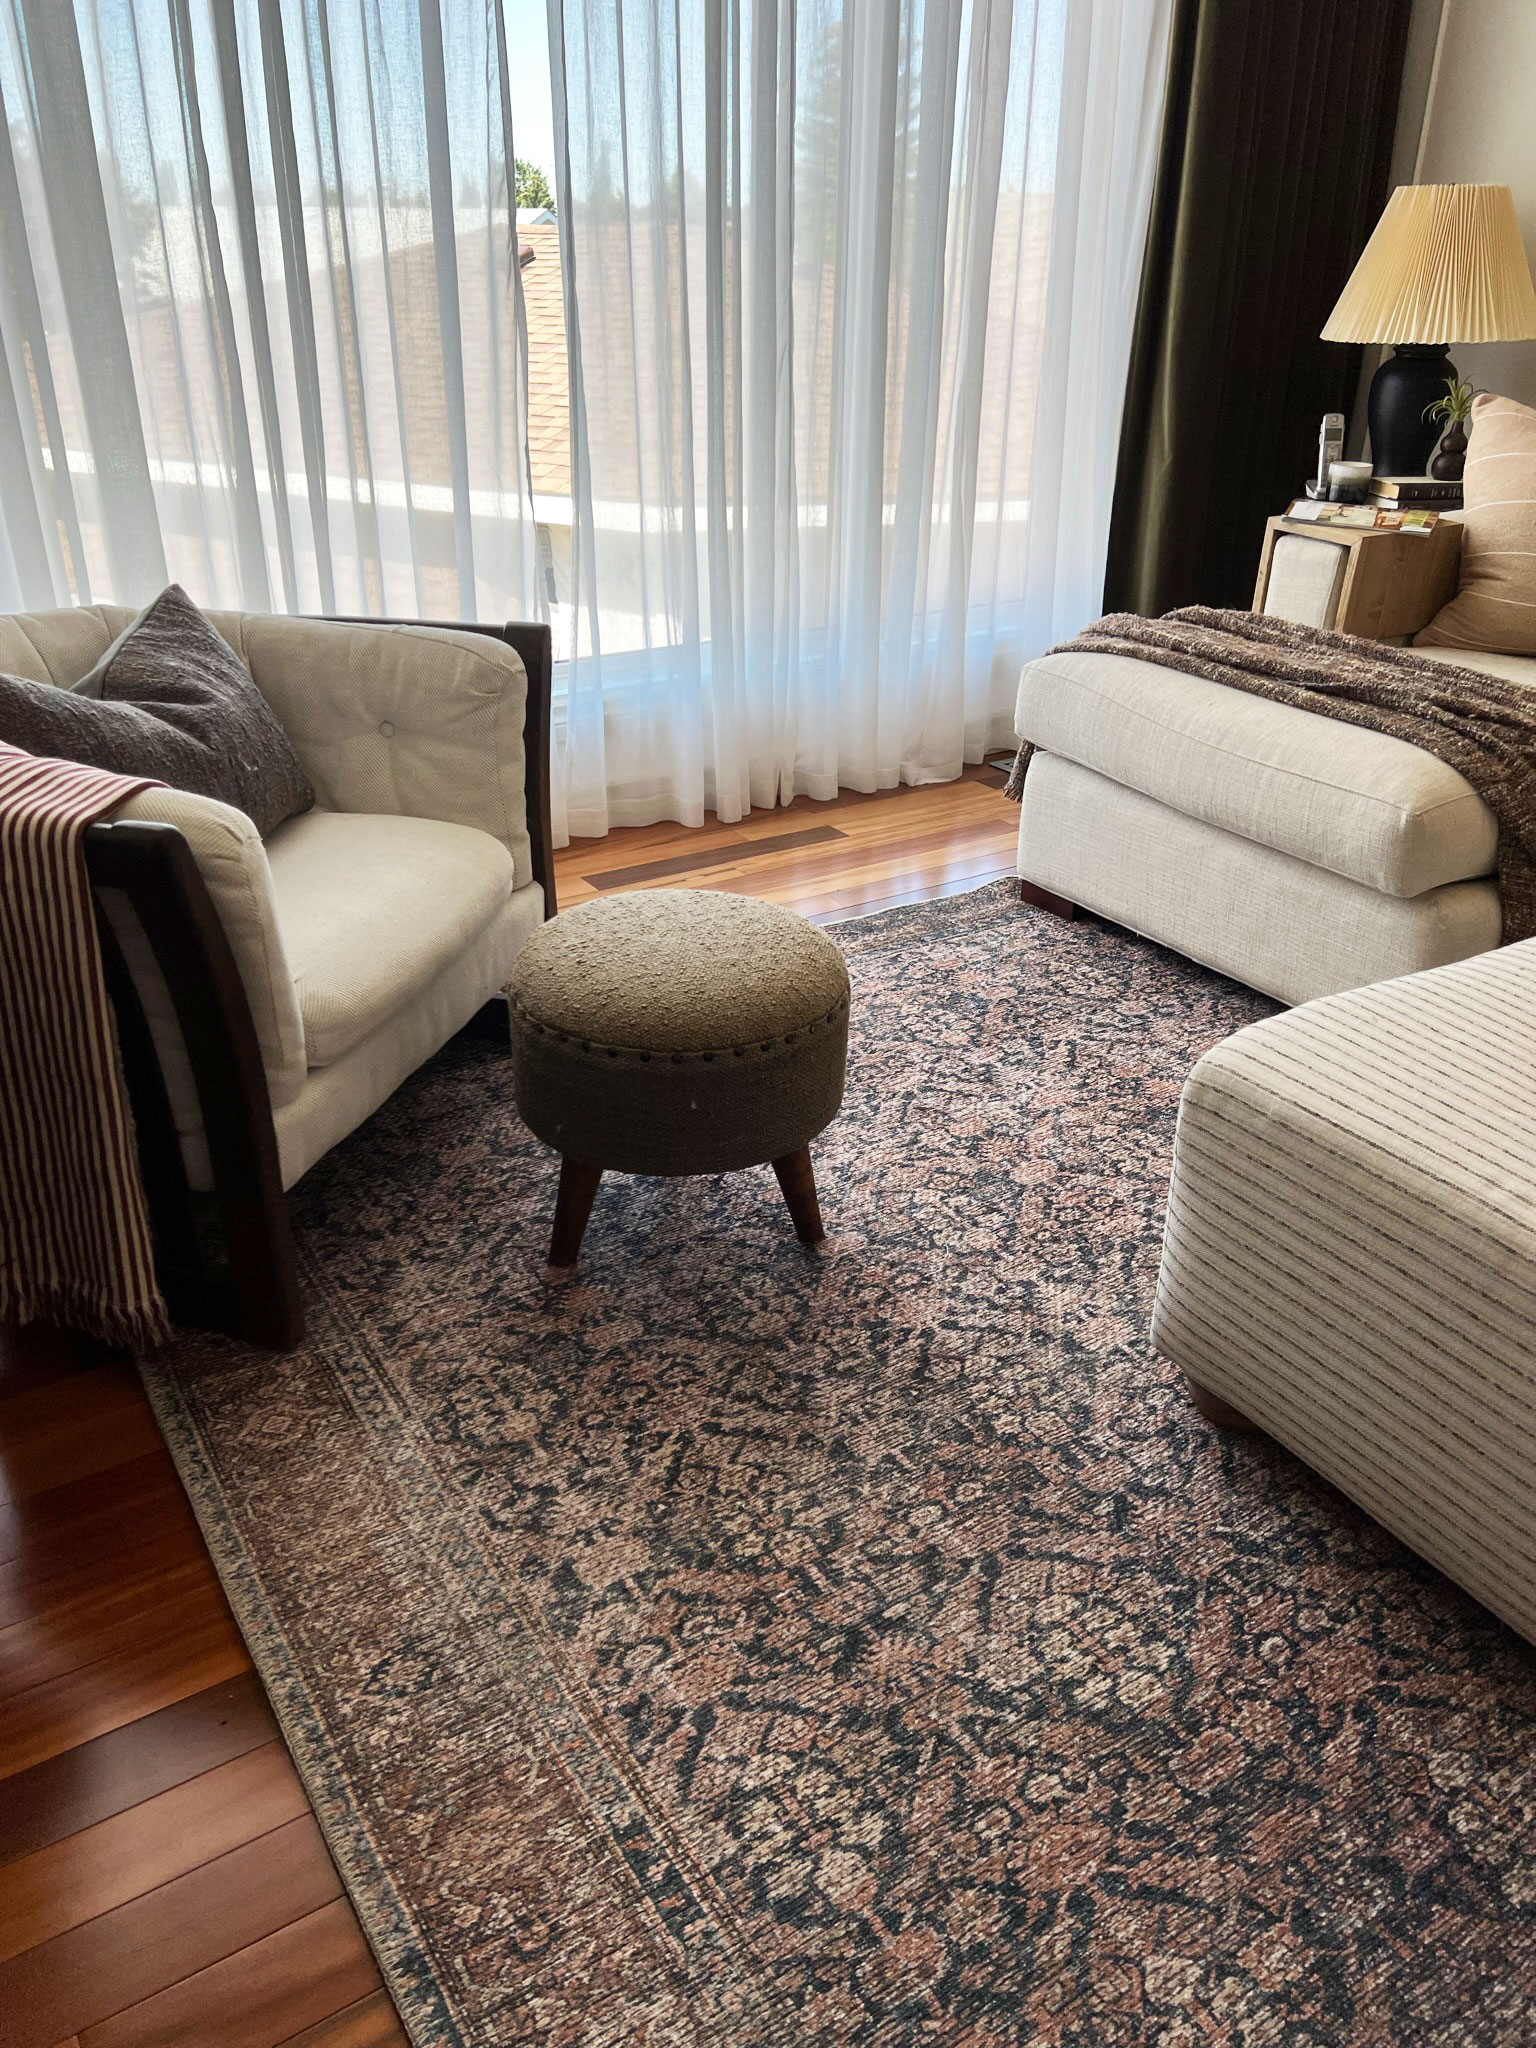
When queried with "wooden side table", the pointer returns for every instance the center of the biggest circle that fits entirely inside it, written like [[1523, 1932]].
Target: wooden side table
[[1393, 582]]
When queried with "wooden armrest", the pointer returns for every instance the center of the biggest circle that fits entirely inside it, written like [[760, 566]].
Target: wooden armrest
[[151, 864]]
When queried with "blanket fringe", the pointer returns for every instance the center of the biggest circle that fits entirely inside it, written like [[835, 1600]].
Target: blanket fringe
[[143, 1326], [1014, 789]]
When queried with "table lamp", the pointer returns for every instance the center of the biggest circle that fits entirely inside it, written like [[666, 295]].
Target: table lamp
[[1445, 264]]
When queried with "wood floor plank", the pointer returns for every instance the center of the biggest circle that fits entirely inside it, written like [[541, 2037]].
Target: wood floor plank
[[36, 1356], [861, 903], [97, 1779], [926, 827], [78, 1448], [371, 2023], [93, 1699], [72, 1569], [99, 1504], [157, 1939], [807, 883], [107, 1622], [258, 1998], [73, 1880], [108, 1384]]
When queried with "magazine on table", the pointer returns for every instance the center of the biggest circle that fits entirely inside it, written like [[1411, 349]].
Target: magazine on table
[[1326, 512]]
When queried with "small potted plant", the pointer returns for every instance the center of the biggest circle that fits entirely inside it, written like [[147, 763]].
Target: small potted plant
[[1455, 408]]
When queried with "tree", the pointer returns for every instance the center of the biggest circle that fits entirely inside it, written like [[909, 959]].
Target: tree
[[532, 185]]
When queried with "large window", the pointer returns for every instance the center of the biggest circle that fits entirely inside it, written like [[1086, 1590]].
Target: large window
[[774, 354]]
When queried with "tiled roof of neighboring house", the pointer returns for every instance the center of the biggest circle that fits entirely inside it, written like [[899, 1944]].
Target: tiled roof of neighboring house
[[619, 295], [383, 331], [549, 404]]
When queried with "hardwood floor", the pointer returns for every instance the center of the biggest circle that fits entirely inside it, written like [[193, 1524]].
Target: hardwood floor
[[163, 1883], [826, 860]]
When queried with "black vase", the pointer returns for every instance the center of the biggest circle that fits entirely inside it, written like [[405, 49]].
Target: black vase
[[1450, 458], [1410, 379]]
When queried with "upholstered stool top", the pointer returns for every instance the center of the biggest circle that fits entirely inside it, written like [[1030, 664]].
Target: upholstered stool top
[[679, 1031], [679, 970]]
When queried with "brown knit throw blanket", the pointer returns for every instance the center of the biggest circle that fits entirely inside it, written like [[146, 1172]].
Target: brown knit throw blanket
[[1482, 726]]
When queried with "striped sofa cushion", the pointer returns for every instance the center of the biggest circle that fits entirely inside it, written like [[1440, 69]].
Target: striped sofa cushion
[[1495, 607], [1350, 1254]]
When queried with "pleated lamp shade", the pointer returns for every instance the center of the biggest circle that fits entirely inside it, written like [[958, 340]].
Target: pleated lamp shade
[[1446, 263]]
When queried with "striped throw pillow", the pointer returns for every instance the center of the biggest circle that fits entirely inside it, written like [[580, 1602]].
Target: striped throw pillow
[[1495, 608]]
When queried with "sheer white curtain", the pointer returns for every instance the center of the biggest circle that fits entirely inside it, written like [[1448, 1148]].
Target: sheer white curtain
[[261, 326], [849, 293]]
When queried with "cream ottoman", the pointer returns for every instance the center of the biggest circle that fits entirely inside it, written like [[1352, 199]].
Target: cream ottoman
[[1296, 853], [1350, 1255], [678, 1031]]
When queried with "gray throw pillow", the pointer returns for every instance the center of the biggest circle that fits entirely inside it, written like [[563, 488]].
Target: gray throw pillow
[[171, 699]]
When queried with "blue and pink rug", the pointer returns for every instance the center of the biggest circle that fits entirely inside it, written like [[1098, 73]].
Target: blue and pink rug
[[759, 1647]]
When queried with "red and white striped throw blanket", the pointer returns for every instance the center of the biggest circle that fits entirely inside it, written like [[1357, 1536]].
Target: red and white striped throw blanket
[[74, 1229]]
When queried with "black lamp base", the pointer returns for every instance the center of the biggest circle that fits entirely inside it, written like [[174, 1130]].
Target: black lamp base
[[1410, 379]]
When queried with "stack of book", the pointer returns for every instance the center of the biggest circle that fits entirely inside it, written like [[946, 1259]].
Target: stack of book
[[1416, 494], [1392, 518]]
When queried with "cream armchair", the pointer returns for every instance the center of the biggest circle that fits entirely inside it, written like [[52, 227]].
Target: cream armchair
[[270, 995]]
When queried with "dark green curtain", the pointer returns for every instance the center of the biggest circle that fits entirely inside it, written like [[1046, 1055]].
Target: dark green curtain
[[1277, 137]]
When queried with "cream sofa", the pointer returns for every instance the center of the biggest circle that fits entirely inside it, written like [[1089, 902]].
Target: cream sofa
[[369, 930], [1349, 1260], [1293, 852]]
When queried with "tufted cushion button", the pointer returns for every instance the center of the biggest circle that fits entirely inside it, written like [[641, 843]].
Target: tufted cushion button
[[387, 729]]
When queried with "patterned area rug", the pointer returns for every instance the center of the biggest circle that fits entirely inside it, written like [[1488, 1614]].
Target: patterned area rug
[[758, 1647]]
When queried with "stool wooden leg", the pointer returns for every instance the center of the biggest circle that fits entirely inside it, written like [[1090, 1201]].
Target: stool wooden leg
[[573, 1205], [798, 1180]]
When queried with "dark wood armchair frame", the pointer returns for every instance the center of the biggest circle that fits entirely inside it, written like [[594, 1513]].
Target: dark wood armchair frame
[[226, 1260]]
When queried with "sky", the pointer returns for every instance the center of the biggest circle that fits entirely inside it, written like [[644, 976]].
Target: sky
[[533, 132]]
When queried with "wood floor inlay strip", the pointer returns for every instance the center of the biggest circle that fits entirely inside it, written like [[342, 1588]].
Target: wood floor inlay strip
[[715, 857]]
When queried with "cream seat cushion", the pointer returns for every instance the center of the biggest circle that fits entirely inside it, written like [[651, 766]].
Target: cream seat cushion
[[1360, 804], [373, 909], [335, 1099]]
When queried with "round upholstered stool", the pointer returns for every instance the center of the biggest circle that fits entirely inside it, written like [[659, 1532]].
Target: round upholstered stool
[[678, 1031]]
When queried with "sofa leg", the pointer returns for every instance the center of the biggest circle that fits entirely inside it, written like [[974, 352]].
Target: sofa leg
[[1043, 899], [573, 1205], [1217, 1411]]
